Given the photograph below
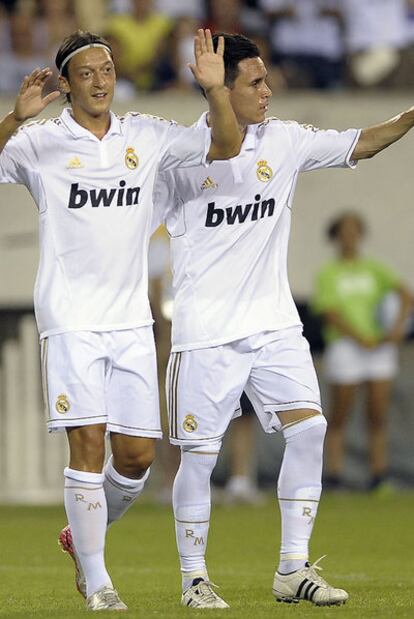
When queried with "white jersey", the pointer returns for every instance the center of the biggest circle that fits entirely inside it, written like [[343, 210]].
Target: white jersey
[[95, 207], [229, 225]]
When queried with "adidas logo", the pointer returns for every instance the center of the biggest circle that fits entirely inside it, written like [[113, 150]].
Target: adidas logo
[[74, 164], [209, 183]]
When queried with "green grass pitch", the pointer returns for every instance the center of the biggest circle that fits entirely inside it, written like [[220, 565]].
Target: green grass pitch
[[368, 541]]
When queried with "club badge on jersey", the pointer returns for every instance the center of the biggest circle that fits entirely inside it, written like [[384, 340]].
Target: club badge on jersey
[[62, 404], [190, 424], [131, 159], [264, 172]]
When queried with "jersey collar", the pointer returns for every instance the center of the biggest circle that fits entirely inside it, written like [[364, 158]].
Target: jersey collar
[[249, 142], [78, 131]]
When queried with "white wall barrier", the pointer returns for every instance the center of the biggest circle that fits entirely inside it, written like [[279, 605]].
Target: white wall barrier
[[31, 462]]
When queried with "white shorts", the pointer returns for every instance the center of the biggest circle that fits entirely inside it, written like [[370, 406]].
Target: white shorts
[[102, 377], [346, 362], [204, 386]]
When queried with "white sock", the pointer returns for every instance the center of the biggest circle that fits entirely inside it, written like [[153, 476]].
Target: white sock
[[192, 505], [299, 489], [86, 510], [121, 492]]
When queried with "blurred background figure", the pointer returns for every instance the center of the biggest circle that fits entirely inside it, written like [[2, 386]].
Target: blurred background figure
[[230, 16], [54, 20], [307, 41], [22, 55], [241, 485], [91, 15], [6, 7], [168, 456], [142, 35], [173, 71], [361, 343], [376, 34]]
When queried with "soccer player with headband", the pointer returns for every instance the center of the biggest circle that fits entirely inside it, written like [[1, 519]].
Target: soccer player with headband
[[91, 175]]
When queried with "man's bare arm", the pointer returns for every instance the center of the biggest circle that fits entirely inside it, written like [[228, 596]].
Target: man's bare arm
[[374, 139], [29, 103], [335, 319], [398, 330], [208, 70]]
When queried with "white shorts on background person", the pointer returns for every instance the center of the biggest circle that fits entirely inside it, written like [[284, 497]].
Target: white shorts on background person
[[102, 377], [274, 368], [347, 362]]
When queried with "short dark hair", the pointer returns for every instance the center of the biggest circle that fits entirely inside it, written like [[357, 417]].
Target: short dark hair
[[237, 47], [334, 227], [73, 42]]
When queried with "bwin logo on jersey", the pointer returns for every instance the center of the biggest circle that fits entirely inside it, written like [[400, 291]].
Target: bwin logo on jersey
[[119, 196], [240, 213]]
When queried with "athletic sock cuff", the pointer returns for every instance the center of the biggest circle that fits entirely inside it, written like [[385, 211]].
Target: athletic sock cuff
[[303, 425], [85, 476], [124, 482]]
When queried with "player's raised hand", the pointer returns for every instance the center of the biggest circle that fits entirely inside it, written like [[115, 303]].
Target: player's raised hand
[[30, 102], [208, 69]]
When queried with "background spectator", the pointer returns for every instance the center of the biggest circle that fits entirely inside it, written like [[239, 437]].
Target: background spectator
[[375, 33], [241, 486], [307, 43], [360, 350], [142, 36], [22, 57]]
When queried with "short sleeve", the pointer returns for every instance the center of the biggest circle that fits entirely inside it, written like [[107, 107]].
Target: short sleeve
[[17, 159], [386, 277], [318, 148], [185, 147]]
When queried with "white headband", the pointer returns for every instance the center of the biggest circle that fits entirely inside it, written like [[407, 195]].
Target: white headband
[[80, 49]]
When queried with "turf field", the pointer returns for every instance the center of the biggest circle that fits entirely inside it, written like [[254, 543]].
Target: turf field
[[368, 540]]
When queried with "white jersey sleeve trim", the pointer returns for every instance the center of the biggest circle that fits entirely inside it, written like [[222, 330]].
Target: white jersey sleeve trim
[[350, 162]]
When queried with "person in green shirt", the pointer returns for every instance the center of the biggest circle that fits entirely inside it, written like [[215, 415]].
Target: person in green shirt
[[360, 349]]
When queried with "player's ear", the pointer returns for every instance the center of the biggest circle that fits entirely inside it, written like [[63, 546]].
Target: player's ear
[[64, 85]]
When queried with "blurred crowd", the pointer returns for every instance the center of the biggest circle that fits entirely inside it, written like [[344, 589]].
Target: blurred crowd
[[319, 44]]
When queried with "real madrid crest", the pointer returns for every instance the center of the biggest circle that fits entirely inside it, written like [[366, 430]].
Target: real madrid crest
[[131, 158], [62, 404], [264, 172], [190, 424]]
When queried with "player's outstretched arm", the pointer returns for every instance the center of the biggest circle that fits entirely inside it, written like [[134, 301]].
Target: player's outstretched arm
[[29, 103], [208, 70], [374, 139]]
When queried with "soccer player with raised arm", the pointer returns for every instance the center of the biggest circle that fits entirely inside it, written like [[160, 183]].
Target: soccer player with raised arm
[[91, 174], [236, 327]]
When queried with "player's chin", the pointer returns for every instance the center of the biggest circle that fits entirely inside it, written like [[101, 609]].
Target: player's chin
[[101, 103], [261, 116]]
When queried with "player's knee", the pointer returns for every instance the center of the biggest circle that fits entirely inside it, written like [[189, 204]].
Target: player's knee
[[133, 463]]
